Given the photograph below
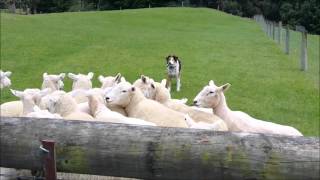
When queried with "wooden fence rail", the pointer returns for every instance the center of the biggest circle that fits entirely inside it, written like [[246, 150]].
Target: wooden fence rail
[[158, 153]]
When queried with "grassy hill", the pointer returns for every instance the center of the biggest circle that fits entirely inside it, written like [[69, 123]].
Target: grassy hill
[[266, 83]]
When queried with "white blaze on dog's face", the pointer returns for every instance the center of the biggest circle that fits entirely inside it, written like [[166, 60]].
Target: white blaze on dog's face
[[54, 81], [147, 86], [5, 81], [210, 95], [81, 81], [110, 81], [120, 94]]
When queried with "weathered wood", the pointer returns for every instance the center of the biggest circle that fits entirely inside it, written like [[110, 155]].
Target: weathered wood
[[158, 153]]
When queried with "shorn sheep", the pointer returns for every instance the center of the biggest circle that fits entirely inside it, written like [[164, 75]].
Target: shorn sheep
[[4, 77], [138, 106], [158, 91], [15, 108], [110, 81], [30, 109], [64, 104], [101, 113], [80, 82], [52, 81], [212, 96]]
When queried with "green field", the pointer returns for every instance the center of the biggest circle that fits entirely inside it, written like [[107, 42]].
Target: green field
[[266, 83]]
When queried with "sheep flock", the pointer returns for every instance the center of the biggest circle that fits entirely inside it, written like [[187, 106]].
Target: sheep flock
[[143, 103]]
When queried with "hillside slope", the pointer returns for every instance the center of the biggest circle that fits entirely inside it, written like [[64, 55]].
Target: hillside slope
[[266, 83]]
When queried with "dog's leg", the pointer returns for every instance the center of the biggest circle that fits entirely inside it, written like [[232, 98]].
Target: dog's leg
[[168, 83], [178, 83]]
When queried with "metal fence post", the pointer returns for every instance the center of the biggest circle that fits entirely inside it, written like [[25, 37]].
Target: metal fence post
[[50, 160]]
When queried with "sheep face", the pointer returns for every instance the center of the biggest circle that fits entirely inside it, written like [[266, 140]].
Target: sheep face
[[210, 95], [120, 95], [55, 82], [49, 101], [110, 81], [81, 81], [5, 81], [147, 86]]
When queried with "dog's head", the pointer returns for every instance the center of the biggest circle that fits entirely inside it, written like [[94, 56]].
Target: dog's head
[[172, 61]]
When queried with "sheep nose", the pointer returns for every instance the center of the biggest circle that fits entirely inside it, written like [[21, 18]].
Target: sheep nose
[[107, 98], [195, 102]]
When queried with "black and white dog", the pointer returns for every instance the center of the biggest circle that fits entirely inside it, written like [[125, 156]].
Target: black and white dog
[[173, 71]]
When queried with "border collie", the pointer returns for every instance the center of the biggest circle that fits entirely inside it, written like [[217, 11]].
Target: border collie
[[173, 71]]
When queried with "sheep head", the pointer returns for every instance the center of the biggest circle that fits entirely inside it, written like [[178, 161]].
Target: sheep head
[[210, 95], [120, 94], [5, 81]]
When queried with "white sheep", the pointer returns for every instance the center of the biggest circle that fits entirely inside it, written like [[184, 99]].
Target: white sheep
[[158, 91], [81, 82], [30, 109], [138, 106], [101, 113], [212, 96], [52, 81], [110, 81], [15, 108], [65, 105], [4, 79]]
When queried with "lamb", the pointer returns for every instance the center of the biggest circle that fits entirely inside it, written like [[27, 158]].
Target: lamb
[[81, 82], [158, 91], [213, 96], [110, 81], [52, 81], [65, 105], [102, 113], [138, 106], [30, 109], [15, 108], [4, 79]]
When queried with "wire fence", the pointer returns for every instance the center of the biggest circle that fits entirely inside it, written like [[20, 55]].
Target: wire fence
[[290, 41]]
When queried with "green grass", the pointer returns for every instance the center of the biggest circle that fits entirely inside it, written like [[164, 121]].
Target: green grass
[[266, 83]]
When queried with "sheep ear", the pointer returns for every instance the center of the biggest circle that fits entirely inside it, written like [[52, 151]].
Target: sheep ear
[[72, 76], [163, 82], [62, 75], [8, 73], [211, 83], [144, 79], [224, 87], [16, 93], [123, 79], [118, 78], [90, 75], [44, 75], [101, 78]]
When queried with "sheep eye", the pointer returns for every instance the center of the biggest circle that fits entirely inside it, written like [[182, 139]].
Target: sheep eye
[[152, 85], [124, 91], [211, 92]]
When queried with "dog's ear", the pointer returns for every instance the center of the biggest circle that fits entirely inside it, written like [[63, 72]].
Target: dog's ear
[[167, 58], [175, 58]]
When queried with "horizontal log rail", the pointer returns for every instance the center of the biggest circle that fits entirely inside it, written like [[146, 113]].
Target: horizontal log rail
[[157, 153]]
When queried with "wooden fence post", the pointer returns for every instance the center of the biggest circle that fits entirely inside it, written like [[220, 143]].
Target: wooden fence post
[[279, 32], [304, 51], [287, 43], [273, 30]]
